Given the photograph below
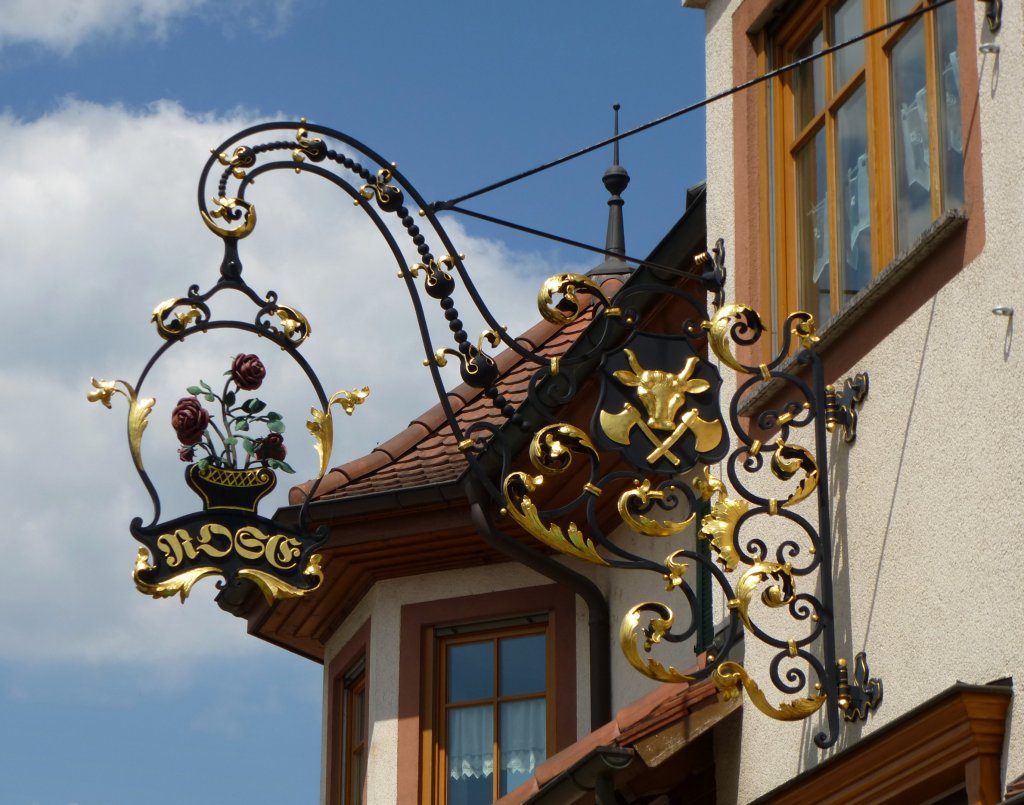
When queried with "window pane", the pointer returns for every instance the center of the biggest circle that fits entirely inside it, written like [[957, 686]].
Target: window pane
[[470, 748], [854, 205], [910, 121], [897, 8], [950, 128], [470, 671], [523, 667], [809, 81], [847, 22], [812, 229], [523, 741]]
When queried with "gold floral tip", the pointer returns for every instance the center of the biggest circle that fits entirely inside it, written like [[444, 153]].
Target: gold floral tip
[[630, 635], [729, 676], [805, 328], [787, 461], [774, 596], [568, 286], [729, 319], [389, 197], [321, 426], [230, 209], [103, 392], [294, 327], [242, 158]]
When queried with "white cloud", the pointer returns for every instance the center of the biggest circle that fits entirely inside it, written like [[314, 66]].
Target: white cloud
[[99, 224], [63, 25]]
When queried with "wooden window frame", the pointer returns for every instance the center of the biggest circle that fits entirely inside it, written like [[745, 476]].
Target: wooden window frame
[[416, 780], [354, 655], [476, 633], [890, 299]]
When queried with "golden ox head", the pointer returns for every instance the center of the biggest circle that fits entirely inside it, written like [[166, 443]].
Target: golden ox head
[[661, 393]]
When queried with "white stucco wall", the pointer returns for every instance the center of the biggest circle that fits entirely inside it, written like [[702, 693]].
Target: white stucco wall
[[927, 502]]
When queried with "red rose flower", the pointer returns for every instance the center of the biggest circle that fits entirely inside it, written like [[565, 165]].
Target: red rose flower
[[186, 453], [271, 446], [189, 420], [248, 372]]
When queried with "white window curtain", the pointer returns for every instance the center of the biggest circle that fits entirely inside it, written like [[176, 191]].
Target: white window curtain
[[471, 735]]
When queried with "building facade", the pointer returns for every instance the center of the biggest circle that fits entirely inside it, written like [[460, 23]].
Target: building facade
[[876, 187]]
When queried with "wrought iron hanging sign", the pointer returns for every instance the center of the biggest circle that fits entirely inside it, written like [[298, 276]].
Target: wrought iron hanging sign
[[634, 464]]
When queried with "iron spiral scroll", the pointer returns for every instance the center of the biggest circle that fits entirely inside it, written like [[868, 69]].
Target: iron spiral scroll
[[603, 480]]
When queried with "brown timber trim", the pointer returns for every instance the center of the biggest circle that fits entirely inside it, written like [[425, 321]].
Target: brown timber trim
[[953, 740], [415, 683], [356, 649], [751, 256]]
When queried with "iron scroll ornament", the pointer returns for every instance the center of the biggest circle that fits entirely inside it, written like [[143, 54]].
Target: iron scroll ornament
[[647, 453]]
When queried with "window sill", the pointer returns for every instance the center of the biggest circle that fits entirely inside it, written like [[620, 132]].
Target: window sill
[[933, 238]]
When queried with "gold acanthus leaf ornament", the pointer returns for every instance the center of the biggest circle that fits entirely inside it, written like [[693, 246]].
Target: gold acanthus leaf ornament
[[568, 285], [728, 677], [322, 423], [719, 525], [641, 495], [775, 596], [552, 447], [720, 328], [517, 488], [180, 585], [138, 411], [786, 461], [274, 588], [630, 634]]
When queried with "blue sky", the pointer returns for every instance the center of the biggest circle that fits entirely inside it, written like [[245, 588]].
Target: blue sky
[[108, 109]]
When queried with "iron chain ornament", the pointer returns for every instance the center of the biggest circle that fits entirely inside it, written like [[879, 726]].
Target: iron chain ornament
[[595, 477]]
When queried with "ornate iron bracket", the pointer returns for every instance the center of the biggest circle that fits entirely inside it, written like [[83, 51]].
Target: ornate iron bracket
[[631, 467], [841, 407], [993, 14]]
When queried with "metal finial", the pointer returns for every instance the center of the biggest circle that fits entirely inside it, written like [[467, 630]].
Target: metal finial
[[615, 146]]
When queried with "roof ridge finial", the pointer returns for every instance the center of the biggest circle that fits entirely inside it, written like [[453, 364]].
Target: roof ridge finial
[[615, 180]]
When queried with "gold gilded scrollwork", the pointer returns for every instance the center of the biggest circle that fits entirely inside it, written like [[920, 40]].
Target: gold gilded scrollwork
[[719, 526], [568, 285], [720, 327], [805, 328], [274, 588], [553, 445], [294, 326], [433, 271], [182, 319], [630, 634], [138, 411], [312, 147], [322, 424], [787, 460], [777, 595], [180, 585], [524, 511], [730, 675], [642, 494], [226, 209]]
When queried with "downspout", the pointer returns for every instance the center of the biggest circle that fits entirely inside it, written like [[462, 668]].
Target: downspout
[[597, 606]]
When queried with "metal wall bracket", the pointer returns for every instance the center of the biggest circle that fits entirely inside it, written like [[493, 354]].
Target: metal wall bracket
[[993, 13], [841, 406], [866, 694]]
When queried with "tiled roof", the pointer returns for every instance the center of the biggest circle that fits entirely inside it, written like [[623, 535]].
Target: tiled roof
[[661, 708], [426, 453]]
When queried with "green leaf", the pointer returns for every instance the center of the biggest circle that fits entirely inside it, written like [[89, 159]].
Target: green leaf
[[253, 406], [195, 390], [231, 441], [209, 397], [284, 465], [247, 443], [273, 415], [275, 426], [241, 424], [205, 385], [203, 464], [229, 399]]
